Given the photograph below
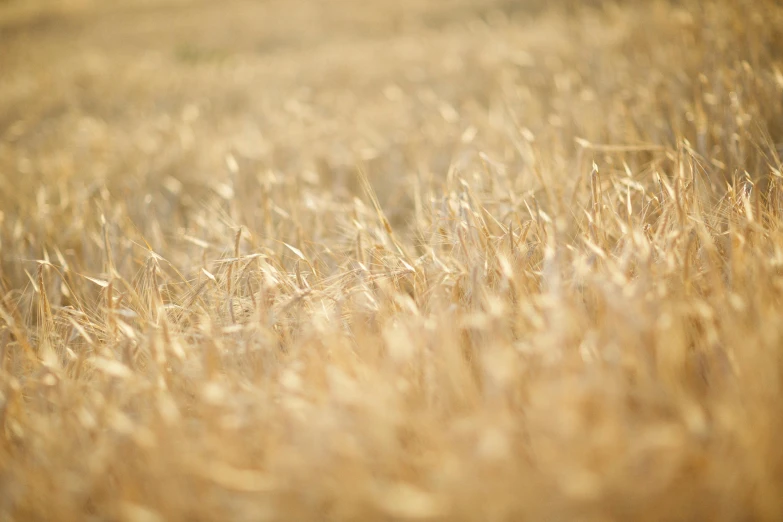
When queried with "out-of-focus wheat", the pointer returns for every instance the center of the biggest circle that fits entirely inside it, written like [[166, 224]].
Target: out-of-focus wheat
[[484, 262]]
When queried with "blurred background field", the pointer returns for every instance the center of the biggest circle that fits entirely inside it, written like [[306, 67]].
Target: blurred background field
[[413, 260]]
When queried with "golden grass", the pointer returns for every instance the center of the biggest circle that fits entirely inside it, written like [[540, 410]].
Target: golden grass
[[388, 261]]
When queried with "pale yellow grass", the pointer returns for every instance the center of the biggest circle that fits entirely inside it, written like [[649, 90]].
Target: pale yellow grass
[[346, 260]]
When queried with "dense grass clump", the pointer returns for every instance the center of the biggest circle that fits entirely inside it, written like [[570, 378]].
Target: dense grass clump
[[356, 261]]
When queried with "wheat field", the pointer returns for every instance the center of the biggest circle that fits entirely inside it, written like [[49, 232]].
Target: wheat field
[[299, 260]]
